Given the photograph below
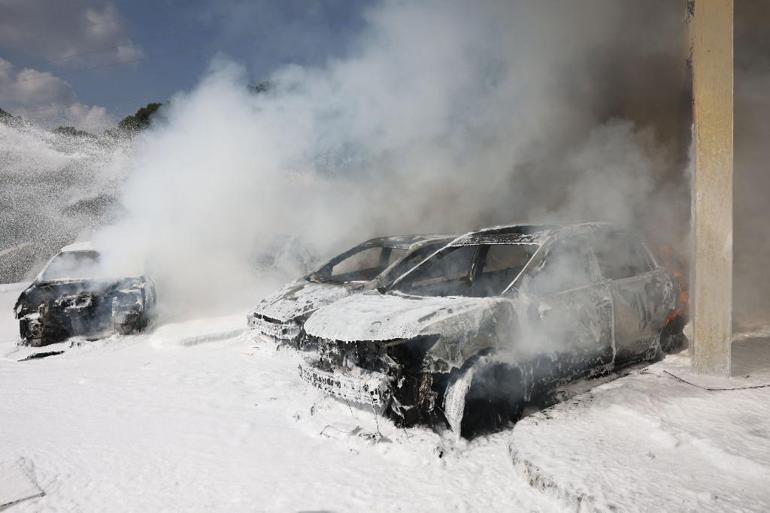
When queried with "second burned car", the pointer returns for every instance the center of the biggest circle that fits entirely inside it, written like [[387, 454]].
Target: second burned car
[[491, 321], [76, 295], [371, 264]]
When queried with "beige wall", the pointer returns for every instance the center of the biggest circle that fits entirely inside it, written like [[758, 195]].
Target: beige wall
[[752, 164]]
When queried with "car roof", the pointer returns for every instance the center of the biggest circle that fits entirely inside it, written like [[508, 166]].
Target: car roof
[[78, 246], [525, 233], [410, 241]]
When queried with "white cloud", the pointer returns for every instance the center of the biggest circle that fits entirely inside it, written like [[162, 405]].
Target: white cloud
[[47, 99], [92, 118], [128, 53], [71, 34]]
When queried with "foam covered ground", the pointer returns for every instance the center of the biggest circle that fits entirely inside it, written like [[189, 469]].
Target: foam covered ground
[[197, 416], [652, 442]]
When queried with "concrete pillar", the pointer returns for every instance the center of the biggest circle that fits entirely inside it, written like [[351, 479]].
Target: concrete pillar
[[711, 32]]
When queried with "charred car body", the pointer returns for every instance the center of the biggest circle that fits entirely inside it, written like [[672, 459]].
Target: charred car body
[[72, 297], [374, 263], [492, 321]]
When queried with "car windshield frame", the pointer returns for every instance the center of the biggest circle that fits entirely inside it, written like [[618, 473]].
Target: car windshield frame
[[323, 275], [90, 256], [426, 250], [475, 263]]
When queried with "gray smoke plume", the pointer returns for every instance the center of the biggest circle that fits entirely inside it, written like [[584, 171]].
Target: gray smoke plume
[[443, 116]]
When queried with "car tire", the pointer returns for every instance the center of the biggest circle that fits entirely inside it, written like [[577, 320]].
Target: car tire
[[483, 398], [132, 326], [51, 333], [26, 335], [672, 338]]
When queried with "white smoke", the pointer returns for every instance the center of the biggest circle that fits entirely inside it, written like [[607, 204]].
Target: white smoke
[[444, 116]]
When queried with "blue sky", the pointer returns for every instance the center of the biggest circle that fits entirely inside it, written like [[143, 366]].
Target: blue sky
[[89, 62]]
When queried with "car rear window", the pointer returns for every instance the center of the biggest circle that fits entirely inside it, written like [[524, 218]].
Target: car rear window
[[506, 257], [566, 266], [621, 256]]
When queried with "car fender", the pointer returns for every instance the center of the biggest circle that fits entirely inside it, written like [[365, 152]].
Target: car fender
[[469, 333]]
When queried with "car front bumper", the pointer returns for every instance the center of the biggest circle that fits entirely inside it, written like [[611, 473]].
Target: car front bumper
[[364, 388], [284, 331]]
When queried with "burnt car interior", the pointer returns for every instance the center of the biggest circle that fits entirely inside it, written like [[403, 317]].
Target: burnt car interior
[[372, 259], [474, 269], [361, 263]]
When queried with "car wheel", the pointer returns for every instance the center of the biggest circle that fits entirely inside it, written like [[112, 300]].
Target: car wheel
[[129, 325], [27, 336], [672, 338], [483, 399], [51, 333]]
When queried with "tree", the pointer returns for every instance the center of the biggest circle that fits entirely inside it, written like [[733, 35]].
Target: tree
[[8, 118], [141, 119]]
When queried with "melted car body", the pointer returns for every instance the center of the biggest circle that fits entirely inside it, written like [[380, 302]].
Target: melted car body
[[495, 318], [73, 296], [374, 263]]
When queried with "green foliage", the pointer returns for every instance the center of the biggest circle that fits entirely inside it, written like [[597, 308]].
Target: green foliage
[[141, 119], [8, 118]]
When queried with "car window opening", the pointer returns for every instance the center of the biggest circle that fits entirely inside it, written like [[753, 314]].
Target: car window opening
[[358, 264], [473, 270], [621, 257], [72, 265], [566, 266]]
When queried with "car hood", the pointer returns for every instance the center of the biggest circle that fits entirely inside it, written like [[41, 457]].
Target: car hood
[[40, 292], [301, 298], [391, 316]]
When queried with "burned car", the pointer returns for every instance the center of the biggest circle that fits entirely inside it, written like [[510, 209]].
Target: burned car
[[492, 321], [74, 295], [374, 263]]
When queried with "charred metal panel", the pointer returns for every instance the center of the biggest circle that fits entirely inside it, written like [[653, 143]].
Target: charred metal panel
[[566, 334], [641, 305], [369, 389], [288, 331], [476, 331], [298, 299]]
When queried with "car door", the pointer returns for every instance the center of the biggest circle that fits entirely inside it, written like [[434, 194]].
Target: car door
[[571, 315], [638, 290]]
